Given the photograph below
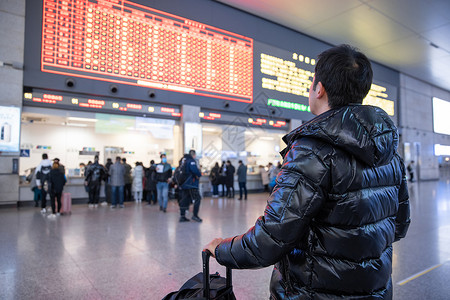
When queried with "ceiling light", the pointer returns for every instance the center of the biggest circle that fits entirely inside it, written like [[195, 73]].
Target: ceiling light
[[76, 125], [82, 119]]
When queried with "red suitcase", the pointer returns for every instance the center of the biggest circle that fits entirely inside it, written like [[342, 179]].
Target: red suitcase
[[66, 203]]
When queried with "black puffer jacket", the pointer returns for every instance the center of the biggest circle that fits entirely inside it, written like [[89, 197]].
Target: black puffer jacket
[[340, 202]]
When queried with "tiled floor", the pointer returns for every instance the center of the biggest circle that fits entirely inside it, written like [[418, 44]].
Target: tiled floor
[[141, 253]]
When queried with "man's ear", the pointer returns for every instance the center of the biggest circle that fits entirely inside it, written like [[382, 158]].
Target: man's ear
[[320, 90]]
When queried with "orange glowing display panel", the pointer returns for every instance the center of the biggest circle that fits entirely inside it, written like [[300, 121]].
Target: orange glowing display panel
[[121, 41]]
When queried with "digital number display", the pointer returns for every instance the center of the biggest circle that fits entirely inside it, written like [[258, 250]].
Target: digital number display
[[121, 41], [100, 105]]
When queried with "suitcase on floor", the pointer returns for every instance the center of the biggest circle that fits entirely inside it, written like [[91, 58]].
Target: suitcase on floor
[[66, 203], [205, 286]]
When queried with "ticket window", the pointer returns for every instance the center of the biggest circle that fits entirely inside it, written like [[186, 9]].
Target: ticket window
[[76, 137], [254, 146]]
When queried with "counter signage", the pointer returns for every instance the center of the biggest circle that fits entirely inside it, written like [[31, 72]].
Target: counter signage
[[100, 105], [254, 121]]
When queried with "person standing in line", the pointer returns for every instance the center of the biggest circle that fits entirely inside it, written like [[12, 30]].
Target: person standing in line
[[214, 176], [36, 192], [62, 168], [229, 179], [163, 175], [223, 177], [128, 180], [56, 182], [242, 180], [411, 167], [93, 179], [138, 174], [42, 171], [107, 185], [264, 177], [117, 181], [341, 197], [150, 184], [189, 188]]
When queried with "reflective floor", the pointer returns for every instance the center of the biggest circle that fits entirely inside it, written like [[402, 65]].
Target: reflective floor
[[141, 253]]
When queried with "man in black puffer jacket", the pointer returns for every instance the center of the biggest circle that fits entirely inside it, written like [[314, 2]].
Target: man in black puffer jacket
[[340, 199]]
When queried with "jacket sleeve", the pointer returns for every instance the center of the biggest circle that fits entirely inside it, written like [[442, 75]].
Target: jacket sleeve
[[402, 219], [297, 197], [194, 170]]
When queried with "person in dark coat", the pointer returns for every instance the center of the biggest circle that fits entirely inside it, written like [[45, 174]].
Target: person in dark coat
[[242, 180], [222, 177], [93, 179], [128, 180], [107, 185], [150, 184], [56, 182], [214, 177], [229, 179], [340, 198], [189, 188]]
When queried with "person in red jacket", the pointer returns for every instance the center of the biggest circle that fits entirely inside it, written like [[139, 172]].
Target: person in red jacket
[[340, 198]]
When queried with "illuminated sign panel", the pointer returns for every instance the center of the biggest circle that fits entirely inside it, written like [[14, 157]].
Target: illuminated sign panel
[[99, 105], [121, 41], [284, 79], [441, 113], [9, 129], [243, 120]]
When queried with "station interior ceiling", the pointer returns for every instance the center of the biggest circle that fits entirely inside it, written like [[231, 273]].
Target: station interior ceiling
[[410, 36]]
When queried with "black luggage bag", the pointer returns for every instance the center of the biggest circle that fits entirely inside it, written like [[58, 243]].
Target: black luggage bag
[[205, 286]]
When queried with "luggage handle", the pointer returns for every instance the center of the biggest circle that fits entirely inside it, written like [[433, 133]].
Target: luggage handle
[[206, 276]]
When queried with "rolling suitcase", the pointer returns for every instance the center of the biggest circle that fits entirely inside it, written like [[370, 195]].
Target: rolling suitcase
[[66, 203], [205, 286]]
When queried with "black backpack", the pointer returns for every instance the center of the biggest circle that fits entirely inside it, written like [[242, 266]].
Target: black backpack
[[181, 174]]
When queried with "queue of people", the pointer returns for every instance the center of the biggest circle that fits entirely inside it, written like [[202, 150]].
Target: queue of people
[[123, 183]]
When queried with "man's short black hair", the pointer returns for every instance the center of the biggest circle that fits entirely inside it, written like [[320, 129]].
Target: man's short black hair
[[162, 154], [124, 159], [345, 73], [240, 161], [44, 156], [192, 152]]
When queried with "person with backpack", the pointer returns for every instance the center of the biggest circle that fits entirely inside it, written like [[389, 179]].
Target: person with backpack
[[189, 179], [42, 172], [56, 182], [214, 176], [93, 179]]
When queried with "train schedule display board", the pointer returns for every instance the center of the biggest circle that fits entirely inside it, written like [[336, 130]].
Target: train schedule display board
[[124, 42], [176, 52]]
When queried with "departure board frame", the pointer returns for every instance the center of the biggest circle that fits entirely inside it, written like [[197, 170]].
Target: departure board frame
[[273, 46]]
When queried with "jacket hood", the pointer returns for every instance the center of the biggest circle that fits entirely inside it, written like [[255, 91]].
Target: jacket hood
[[364, 131]]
